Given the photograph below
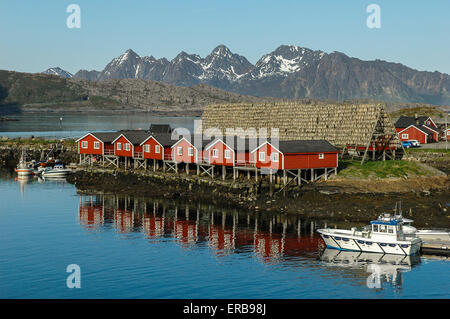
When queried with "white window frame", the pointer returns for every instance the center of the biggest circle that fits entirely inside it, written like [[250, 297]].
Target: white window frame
[[321, 156], [127, 147], [147, 148], [119, 146], [190, 151], [405, 136], [96, 145], [179, 150], [274, 157], [262, 156], [84, 144], [157, 149], [215, 153], [227, 154]]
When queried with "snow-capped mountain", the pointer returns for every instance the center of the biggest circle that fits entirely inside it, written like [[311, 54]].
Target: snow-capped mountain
[[220, 66], [285, 60], [287, 72], [58, 71]]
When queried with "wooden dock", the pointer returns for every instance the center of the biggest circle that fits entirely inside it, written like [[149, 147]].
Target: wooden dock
[[436, 247]]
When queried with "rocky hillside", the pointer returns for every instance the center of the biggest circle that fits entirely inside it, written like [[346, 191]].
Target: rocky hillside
[[287, 72], [38, 91]]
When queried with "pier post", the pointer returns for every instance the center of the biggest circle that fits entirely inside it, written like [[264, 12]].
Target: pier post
[[187, 168], [234, 174], [248, 174], [326, 173], [224, 172], [299, 177], [256, 174], [154, 165], [312, 174], [284, 177], [270, 176], [198, 169]]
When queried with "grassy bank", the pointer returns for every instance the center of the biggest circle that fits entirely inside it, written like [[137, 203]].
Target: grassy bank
[[35, 142], [384, 169]]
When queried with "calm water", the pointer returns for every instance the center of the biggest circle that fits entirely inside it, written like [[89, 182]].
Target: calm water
[[143, 248], [76, 125]]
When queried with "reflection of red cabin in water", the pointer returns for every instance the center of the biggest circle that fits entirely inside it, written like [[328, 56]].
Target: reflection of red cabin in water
[[153, 226], [90, 216], [275, 246], [124, 220], [220, 239], [185, 231]]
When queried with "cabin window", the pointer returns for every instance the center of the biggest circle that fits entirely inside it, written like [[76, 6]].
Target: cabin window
[[321, 156], [274, 157], [180, 150], [97, 145], [215, 153], [157, 149], [227, 154], [84, 144], [375, 228], [147, 148], [383, 229], [405, 136], [190, 151], [390, 230], [127, 146], [119, 146], [262, 156]]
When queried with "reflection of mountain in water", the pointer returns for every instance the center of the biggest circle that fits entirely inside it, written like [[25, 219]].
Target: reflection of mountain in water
[[270, 237]]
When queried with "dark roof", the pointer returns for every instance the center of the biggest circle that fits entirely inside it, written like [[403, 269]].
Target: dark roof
[[405, 121], [165, 139], [306, 146], [106, 137], [135, 137], [160, 128], [425, 129]]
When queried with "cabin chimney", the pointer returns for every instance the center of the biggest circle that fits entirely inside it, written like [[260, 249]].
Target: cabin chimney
[[416, 118]]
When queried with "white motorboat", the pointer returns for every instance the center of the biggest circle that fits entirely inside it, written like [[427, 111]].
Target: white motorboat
[[425, 234], [56, 171], [384, 235]]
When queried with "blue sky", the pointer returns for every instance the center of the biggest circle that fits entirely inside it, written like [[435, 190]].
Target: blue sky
[[34, 35]]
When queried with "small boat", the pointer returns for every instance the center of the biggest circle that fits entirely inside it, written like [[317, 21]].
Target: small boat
[[425, 234], [384, 235], [23, 169], [56, 171]]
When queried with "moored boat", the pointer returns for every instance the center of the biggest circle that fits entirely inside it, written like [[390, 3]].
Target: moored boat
[[56, 171], [384, 235], [23, 169]]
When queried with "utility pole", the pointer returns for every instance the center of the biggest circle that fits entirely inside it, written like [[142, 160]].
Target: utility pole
[[446, 130]]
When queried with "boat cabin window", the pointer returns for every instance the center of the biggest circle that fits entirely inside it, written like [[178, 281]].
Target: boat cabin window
[[383, 229], [375, 228], [390, 229]]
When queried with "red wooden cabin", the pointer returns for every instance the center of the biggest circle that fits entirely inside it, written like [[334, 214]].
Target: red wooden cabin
[[97, 143], [128, 144], [295, 155]]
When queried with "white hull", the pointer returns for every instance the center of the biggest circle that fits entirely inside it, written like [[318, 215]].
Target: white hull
[[345, 240], [24, 172], [433, 235], [56, 173]]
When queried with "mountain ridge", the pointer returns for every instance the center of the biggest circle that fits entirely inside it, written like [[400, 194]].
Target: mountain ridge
[[287, 72]]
